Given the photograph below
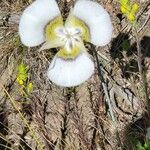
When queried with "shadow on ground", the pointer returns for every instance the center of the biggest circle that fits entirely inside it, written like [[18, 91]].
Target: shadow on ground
[[135, 132], [125, 53]]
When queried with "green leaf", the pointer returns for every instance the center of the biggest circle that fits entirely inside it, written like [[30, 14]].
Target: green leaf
[[125, 45], [139, 146]]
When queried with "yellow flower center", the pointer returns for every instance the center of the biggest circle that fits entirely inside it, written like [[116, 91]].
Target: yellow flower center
[[70, 36]]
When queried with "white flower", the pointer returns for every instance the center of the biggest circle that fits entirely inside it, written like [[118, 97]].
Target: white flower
[[42, 23]]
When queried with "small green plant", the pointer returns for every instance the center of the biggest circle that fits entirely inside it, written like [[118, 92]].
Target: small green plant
[[125, 45], [22, 77], [22, 74], [145, 146], [129, 10]]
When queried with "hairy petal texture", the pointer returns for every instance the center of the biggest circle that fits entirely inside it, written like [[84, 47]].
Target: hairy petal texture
[[52, 38], [34, 19], [71, 72], [63, 53], [96, 18]]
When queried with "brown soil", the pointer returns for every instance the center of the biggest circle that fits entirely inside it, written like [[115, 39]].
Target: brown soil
[[108, 112]]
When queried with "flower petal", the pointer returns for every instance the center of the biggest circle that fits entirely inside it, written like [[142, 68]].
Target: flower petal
[[96, 18], [71, 52], [34, 19], [71, 72]]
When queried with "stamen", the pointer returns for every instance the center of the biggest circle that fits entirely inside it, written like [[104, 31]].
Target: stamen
[[77, 31], [70, 37], [60, 32], [69, 45]]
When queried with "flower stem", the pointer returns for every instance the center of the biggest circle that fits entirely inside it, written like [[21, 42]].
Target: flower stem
[[143, 79], [108, 99]]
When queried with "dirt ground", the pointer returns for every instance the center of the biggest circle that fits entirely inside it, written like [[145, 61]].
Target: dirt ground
[[108, 112]]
